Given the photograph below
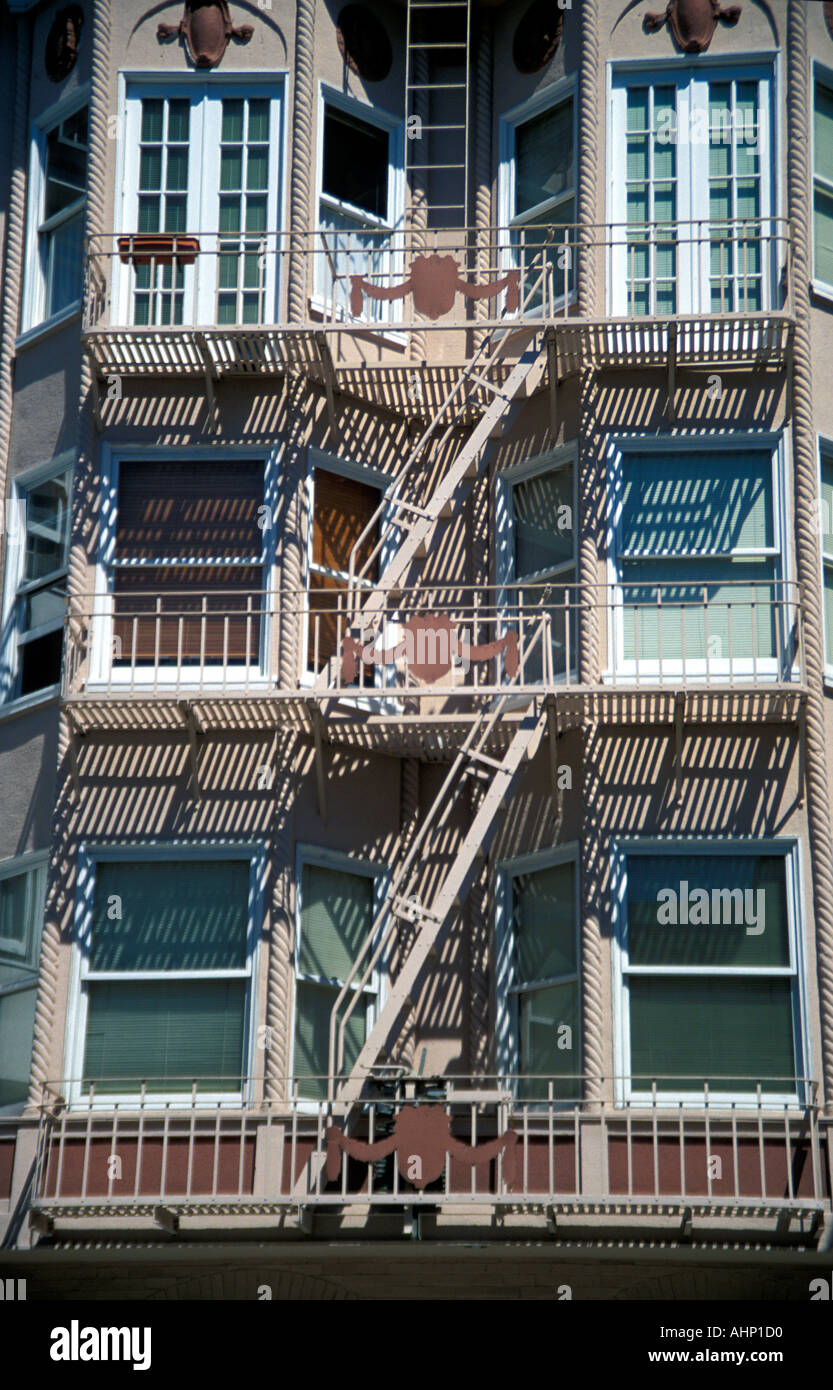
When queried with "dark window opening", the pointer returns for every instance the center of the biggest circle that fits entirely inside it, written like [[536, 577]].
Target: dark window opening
[[355, 162]]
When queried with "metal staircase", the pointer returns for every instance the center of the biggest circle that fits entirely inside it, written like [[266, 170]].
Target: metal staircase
[[402, 904]]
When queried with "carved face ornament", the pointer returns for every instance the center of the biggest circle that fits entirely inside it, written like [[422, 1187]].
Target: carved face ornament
[[206, 28], [693, 22]]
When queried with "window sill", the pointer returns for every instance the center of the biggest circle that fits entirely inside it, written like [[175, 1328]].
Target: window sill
[[24, 703], [819, 290], [48, 326]]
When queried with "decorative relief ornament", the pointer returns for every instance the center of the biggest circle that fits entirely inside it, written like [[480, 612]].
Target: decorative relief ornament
[[537, 36], [693, 22], [206, 28], [363, 43], [828, 15], [62, 43]]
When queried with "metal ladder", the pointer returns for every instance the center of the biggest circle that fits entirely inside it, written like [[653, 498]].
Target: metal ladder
[[424, 36]]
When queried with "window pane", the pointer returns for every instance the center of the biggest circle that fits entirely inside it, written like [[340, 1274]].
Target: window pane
[[719, 1029], [824, 132], [698, 502], [544, 157], [548, 1021], [47, 526], [40, 662], [189, 511], [826, 508], [355, 162], [14, 926], [343, 507], [718, 609], [170, 915], [313, 1007], [336, 917], [168, 1033], [823, 233], [63, 250], [828, 612], [545, 923], [702, 909], [543, 514], [66, 165], [17, 1022]]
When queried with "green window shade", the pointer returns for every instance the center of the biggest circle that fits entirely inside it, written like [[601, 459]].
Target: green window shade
[[544, 157], [168, 1033], [544, 1015], [545, 923], [336, 916], [175, 915], [713, 609], [823, 119], [696, 503], [827, 504], [313, 1008], [823, 233], [731, 1033], [17, 1022], [542, 508], [743, 890]]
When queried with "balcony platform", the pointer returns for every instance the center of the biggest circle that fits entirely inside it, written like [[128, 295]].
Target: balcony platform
[[431, 734], [762, 342]]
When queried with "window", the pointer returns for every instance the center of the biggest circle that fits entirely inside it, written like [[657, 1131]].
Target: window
[[826, 528], [336, 910], [544, 556], [709, 988], [823, 184], [541, 973], [201, 166], [166, 946], [22, 890], [359, 203], [342, 507], [39, 602], [58, 187], [187, 567], [698, 561], [692, 183], [540, 179]]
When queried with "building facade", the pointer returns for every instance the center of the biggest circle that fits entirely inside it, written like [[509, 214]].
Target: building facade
[[417, 868]]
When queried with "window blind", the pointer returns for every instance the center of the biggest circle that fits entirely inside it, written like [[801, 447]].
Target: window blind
[[170, 915]]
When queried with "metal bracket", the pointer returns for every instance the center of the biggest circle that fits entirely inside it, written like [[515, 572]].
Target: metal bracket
[[802, 752], [552, 729], [72, 750], [672, 371], [167, 1218], [96, 393], [318, 739], [325, 358], [193, 727], [210, 376], [552, 377], [679, 737]]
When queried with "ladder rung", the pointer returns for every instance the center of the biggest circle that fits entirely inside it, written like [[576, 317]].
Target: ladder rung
[[436, 86], [436, 166], [444, 127], [486, 760], [421, 47], [489, 385]]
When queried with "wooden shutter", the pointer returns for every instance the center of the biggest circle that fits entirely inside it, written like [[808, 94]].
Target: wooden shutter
[[187, 512]]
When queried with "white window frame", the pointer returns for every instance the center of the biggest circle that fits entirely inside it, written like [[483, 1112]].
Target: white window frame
[[320, 304], [693, 274], [33, 866], [102, 670], [508, 988], [205, 93], [16, 587], [790, 847], [820, 76], [671, 669], [380, 875], [89, 856], [34, 316], [565, 456], [566, 88], [360, 473]]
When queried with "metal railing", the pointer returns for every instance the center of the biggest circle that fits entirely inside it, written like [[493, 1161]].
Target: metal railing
[[366, 277], [506, 1139], [437, 640]]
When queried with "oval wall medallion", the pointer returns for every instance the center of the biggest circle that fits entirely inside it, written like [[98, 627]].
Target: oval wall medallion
[[62, 42], [693, 22], [537, 36], [206, 28], [363, 43]]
